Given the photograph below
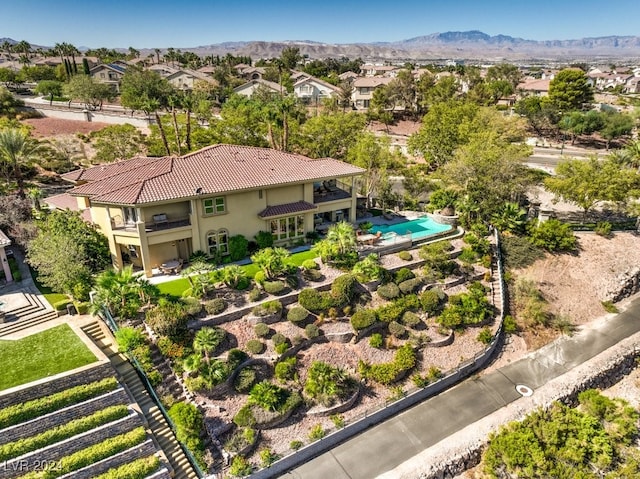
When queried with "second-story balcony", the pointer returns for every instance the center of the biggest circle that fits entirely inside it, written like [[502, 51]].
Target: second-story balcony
[[158, 223], [331, 190]]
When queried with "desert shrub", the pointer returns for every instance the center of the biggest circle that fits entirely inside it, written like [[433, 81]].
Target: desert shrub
[[215, 306], [169, 348], [167, 319], [282, 347], [262, 330], [198, 257], [286, 369], [387, 373], [255, 294], [260, 277], [519, 252], [363, 318], [405, 256], [297, 314], [268, 308], [311, 331], [255, 346], [485, 336], [244, 417], [429, 301], [390, 312], [308, 264], [368, 269], [268, 457], [376, 340], [316, 433], [397, 329], [273, 287], [268, 396], [278, 339], [403, 274], [410, 319], [409, 286], [245, 380], [238, 247], [240, 439], [468, 256], [337, 420], [509, 324], [388, 291], [554, 236], [326, 383], [295, 445], [609, 307], [478, 243], [343, 290], [240, 467], [603, 228], [129, 338], [193, 306], [466, 308], [312, 274], [235, 357], [314, 301]]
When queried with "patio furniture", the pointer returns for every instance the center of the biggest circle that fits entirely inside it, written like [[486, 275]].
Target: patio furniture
[[171, 267]]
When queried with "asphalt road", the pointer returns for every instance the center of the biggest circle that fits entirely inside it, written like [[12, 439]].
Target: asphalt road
[[393, 442], [548, 158]]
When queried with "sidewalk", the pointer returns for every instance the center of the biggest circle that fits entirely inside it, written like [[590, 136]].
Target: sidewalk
[[397, 441]]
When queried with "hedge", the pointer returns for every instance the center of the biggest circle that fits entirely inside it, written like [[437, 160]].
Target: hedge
[[21, 412], [315, 301], [62, 304], [387, 373], [64, 431], [138, 469], [92, 454]]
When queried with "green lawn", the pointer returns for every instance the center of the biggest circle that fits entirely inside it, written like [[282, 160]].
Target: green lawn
[[178, 286], [40, 355]]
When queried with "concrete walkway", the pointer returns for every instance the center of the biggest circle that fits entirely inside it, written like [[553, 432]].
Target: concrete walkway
[[396, 441]]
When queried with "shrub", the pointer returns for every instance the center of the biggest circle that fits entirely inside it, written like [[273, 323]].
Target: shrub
[[390, 312], [255, 294], [405, 256], [603, 228], [316, 432], [215, 306], [314, 301], [297, 314], [278, 339], [281, 348], [403, 274], [312, 275], [368, 269], [468, 256], [245, 379], [192, 306], [168, 319], [240, 467], [129, 338], [268, 308], [62, 304], [82, 307], [429, 301], [260, 277], [409, 286], [485, 336], [386, 373], [244, 417], [198, 257], [311, 331], [238, 247], [264, 239], [554, 236], [410, 319], [286, 369], [609, 307], [363, 318], [509, 324], [338, 420], [343, 290], [255, 346], [308, 264], [268, 396], [273, 287], [295, 445], [240, 439], [262, 330], [268, 457], [519, 252], [376, 340], [397, 329], [388, 291], [169, 348]]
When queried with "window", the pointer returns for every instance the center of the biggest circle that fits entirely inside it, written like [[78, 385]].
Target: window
[[287, 228], [130, 215], [214, 206], [218, 242]]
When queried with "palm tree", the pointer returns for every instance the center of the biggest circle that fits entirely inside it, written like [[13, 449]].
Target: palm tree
[[198, 275], [207, 340], [123, 292], [175, 103], [8, 49], [633, 149], [343, 236], [192, 363], [152, 105], [271, 261], [157, 51], [510, 218], [17, 148]]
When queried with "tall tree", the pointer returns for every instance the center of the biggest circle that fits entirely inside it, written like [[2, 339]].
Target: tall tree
[[117, 142], [331, 135], [569, 90], [92, 93], [17, 149], [50, 88], [374, 155], [290, 57]]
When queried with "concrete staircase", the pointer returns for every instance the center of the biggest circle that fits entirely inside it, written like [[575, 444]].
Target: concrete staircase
[[32, 310], [157, 424]]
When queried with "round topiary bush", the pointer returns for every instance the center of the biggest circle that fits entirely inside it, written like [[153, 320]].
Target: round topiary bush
[[273, 287], [403, 274], [376, 340], [411, 319], [193, 306], [363, 318], [310, 264], [429, 301], [297, 314], [255, 294], [261, 330], [312, 275], [311, 331], [397, 329], [405, 256], [409, 286], [389, 291], [254, 346], [314, 301], [215, 306], [278, 339]]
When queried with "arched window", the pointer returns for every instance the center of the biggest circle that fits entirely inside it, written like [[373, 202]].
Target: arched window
[[218, 242]]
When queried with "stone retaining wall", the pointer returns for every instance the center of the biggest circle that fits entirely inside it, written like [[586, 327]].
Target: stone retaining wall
[[627, 284], [338, 408], [62, 416], [48, 386], [50, 454]]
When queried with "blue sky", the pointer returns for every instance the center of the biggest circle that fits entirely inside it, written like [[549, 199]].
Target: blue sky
[[189, 23]]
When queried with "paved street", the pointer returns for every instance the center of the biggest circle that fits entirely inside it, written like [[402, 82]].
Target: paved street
[[393, 442]]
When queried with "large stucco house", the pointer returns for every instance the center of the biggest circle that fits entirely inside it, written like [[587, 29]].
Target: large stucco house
[[153, 210]]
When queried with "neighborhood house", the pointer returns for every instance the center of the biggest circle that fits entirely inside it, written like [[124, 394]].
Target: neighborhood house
[[155, 210]]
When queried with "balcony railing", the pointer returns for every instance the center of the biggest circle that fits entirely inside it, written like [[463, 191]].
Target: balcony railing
[[150, 226], [332, 191]]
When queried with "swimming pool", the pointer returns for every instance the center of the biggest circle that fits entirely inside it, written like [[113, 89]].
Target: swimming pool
[[420, 228]]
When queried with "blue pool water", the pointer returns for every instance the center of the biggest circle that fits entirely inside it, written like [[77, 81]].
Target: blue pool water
[[420, 228]]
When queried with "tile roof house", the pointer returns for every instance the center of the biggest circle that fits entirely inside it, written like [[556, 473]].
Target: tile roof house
[[311, 89], [109, 73], [363, 88], [249, 88], [186, 79], [153, 210], [534, 87]]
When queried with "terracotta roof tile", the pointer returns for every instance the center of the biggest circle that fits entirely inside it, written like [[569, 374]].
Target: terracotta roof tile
[[63, 201], [286, 209], [213, 170]]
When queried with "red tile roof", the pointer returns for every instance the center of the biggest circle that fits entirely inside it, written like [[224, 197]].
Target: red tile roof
[[215, 169], [286, 209], [65, 201]]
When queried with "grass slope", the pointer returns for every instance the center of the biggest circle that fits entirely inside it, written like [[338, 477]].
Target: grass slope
[[43, 354]]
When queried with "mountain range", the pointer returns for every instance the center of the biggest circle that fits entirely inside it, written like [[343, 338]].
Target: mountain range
[[454, 45]]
